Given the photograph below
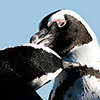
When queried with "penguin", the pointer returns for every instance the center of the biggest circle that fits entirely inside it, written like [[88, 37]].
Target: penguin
[[24, 69], [68, 34]]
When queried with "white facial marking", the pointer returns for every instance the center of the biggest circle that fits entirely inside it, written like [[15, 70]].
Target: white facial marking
[[60, 23]]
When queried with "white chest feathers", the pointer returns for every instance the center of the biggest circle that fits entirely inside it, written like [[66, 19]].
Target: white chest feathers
[[84, 88], [88, 54]]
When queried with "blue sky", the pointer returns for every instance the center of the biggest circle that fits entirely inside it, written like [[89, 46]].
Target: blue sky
[[19, 20]]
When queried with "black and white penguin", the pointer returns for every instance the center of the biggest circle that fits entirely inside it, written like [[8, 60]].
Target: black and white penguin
[[70, 36], [24, 69]]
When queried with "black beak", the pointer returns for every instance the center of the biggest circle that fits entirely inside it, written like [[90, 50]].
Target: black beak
[[38, 37], [43, 37]]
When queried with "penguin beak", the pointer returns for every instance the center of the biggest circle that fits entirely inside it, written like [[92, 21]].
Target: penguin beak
[[43, 37]]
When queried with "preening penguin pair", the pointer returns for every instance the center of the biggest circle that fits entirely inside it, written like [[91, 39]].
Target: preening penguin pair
[[66, 33], [25, 68]]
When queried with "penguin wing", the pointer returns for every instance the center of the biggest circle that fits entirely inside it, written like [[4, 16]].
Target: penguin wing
[[25, 64]]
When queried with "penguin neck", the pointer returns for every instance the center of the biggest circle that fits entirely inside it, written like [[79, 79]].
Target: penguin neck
[[87, 54]]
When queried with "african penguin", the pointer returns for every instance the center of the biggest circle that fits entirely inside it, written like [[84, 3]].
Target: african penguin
[[70, 36], [24, 69]]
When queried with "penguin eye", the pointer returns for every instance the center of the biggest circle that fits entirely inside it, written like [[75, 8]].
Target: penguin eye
[[60, 22]]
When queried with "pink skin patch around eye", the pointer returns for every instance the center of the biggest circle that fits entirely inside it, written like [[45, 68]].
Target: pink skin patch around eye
[[60, 22]]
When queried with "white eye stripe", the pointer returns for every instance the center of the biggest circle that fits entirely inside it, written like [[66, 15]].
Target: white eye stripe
[[60, 22]]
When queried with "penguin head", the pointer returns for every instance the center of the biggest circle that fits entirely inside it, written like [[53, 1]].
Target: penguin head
[[62, 31]]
